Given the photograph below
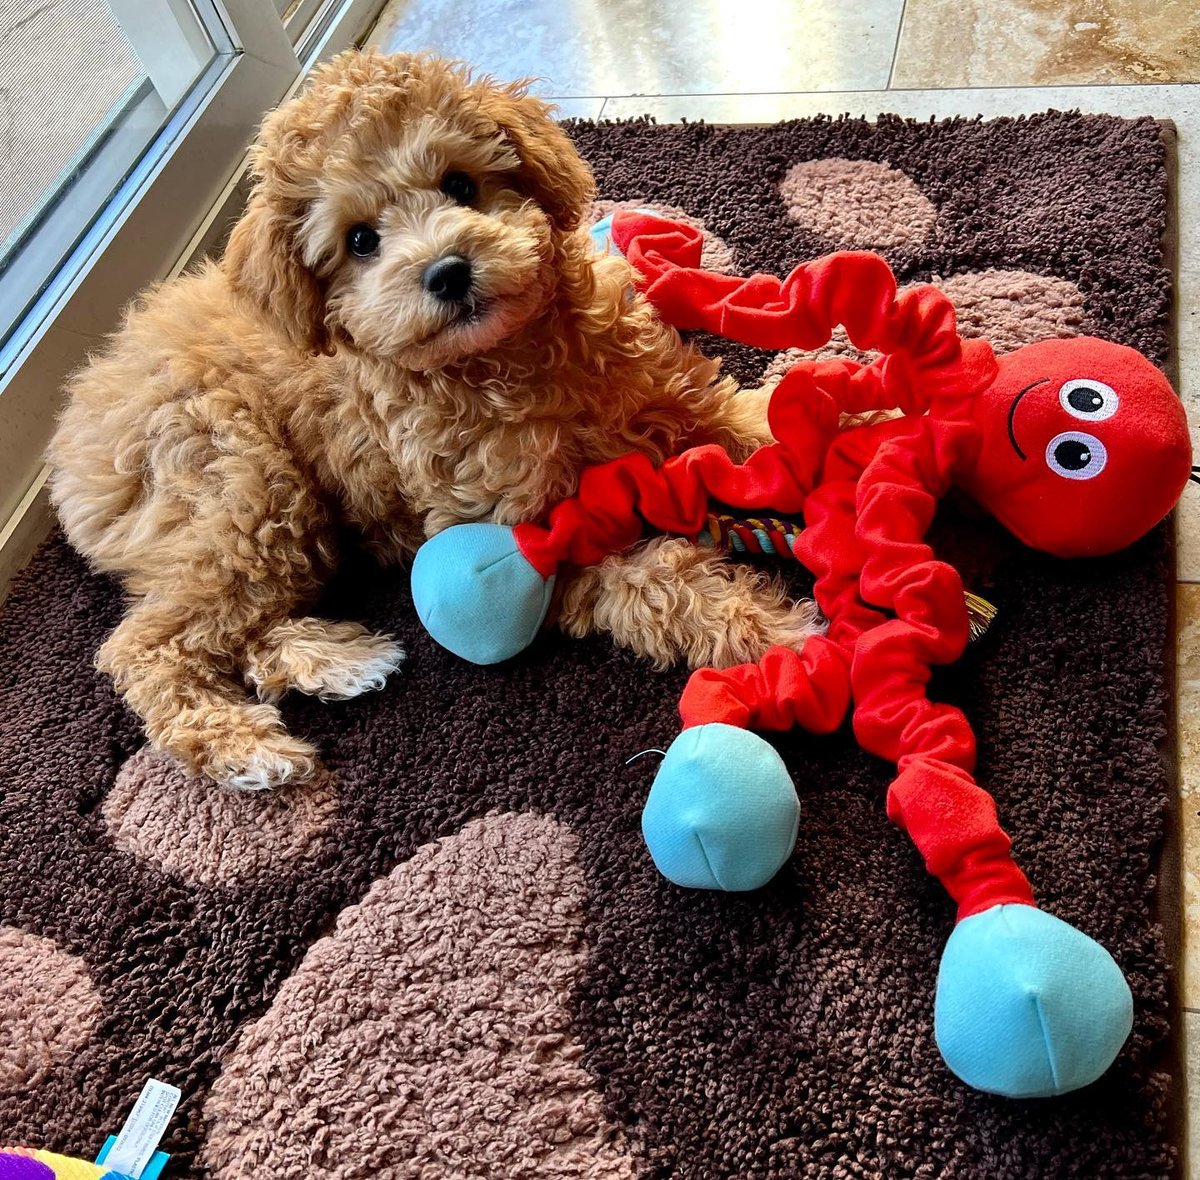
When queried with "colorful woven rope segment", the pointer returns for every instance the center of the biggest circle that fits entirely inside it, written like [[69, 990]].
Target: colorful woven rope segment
[[769, 535], [772, 536]]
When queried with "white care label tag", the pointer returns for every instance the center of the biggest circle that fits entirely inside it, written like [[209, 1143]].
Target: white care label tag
[[143, 1129]]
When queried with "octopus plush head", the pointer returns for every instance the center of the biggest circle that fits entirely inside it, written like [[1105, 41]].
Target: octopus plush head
[[1084, 446]]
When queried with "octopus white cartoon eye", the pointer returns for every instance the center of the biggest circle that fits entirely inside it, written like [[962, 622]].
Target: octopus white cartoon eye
[[1075, 455], [1091, 400]]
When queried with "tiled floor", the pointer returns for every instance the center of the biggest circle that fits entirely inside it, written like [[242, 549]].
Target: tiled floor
[[750, 61], [948, 43]]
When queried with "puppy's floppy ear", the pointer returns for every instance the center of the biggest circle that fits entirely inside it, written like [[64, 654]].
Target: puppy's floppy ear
[[552, 172], [263, 262]]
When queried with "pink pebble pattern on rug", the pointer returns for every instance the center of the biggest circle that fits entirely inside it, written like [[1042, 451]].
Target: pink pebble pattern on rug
[[858, 204], [431, 1034], [194, 831], [49, 1008], [1012, 308]]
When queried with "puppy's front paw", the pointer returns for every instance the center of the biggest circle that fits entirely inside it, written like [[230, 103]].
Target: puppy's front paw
[[363, 666], [754, 624], [332, 661]]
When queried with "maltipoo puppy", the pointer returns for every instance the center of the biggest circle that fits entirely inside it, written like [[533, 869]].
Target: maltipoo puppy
[[408, 330]]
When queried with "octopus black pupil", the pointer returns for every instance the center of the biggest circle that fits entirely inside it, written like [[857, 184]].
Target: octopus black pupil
[[1086, 401], [1073, 456]]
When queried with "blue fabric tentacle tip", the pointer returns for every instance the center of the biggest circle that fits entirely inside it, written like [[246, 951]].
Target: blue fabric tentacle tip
[[1027, 1005], [722, 813], [476, 593]]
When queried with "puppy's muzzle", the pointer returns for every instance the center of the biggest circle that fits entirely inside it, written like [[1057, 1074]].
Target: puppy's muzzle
[[449, 279]]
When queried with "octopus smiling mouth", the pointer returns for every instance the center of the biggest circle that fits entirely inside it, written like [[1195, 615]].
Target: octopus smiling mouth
[[1012, 410]]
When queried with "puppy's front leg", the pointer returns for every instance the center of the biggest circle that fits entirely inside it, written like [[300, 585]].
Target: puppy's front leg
[[671, 600], [733, 418], [169, 661]]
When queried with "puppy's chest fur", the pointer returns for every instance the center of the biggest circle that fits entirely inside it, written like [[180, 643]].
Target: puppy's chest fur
[[505, 436]]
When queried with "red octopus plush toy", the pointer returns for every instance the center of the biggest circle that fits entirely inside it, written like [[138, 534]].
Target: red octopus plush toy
[[1078, 447]]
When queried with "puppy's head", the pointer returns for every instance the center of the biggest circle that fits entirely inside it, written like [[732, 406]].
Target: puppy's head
[[405, 210]]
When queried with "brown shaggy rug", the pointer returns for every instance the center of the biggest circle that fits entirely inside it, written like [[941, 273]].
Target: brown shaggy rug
[[451, 957]]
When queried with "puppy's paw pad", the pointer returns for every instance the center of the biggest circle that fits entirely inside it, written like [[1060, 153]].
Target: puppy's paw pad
[[274, 763]]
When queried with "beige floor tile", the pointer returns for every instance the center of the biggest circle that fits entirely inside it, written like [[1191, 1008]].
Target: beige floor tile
[[599, 47], [1191, 1032], [1187, 515], [1047, 42], [578, 108], [1188, 672]]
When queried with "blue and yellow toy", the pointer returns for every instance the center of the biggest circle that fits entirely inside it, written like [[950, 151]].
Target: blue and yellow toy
[[35, 1163]]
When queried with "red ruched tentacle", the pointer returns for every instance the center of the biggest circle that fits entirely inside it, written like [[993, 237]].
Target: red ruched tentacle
[[925, 358], [935, 798], [617, 499], [809, 688], [867, 534]]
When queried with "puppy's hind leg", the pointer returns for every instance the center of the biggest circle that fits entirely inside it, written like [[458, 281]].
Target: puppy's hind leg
[[670, 600], [174, 671], [332, 661], [234, 536]]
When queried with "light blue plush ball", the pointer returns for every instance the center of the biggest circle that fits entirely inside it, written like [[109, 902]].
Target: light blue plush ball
[[601, 233], [476, 593], [1027, 1006], [722, 813]]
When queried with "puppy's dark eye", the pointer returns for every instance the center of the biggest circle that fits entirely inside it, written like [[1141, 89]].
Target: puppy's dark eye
[[458, 186], [362, 241]]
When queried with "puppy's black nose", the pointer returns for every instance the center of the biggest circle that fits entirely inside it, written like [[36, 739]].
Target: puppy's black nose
[[448, 279]]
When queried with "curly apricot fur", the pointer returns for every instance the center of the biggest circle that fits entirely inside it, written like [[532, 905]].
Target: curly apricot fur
[[209, 455]]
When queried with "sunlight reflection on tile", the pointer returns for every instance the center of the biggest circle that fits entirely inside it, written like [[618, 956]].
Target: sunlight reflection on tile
[[599, 47]]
